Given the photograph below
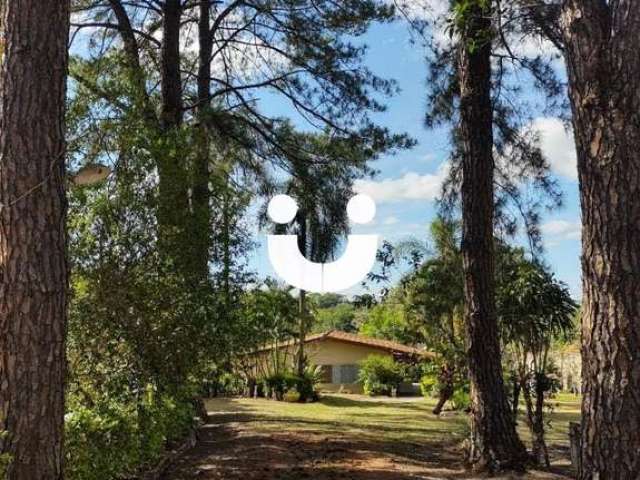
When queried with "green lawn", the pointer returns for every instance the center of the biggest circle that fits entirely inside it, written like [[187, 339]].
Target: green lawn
[[377, 419], [381, 418], [350, 437]]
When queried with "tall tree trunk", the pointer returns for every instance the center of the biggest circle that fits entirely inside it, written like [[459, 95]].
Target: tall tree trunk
[[170, 65], [515, 400], [173, 202], [494, 442], [135, 71], [601, 50], [201, 226], [226, 245], [302, 301], [33, 268], [535, 421], [539, 444]]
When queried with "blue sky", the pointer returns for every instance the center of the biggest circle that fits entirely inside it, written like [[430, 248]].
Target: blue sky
[[408, 182]]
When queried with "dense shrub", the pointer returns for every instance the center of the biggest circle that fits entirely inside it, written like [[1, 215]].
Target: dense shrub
[[279, 384], [431, 386], [101, 443], [380, 375], [275, 385], [431, 379], [114, 440], [222, 383], [292, 396], [461, 399], [308, 382]]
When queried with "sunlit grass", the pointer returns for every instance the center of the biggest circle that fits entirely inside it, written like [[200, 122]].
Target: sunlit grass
[[378, 419]]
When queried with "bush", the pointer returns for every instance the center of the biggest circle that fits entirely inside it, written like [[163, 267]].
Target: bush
[[380, 375], [117, 439], [429, 385], [307, 384], [231, 384], [275, 386], [102, 443], [292, 396], [430, 382], [222, 383], [279, 384], [461, 399]]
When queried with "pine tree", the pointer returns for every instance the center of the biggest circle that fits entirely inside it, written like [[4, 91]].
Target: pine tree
[[33, 266]]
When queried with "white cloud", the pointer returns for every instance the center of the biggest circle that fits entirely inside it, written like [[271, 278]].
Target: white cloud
[[411, 186], [435, 12], [531, 47], [422, 9], [562, 229], [391, 220], [558, 146]]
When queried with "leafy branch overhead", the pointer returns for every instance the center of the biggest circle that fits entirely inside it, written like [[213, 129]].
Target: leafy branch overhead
[[302, 52]]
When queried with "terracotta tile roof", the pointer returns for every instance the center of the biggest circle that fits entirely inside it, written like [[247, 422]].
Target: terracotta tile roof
[[353, 338]]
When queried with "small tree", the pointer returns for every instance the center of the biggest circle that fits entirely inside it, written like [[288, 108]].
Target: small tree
[[380, 375], [535, 310]]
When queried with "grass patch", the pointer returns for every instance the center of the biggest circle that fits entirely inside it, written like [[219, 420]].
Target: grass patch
[[382, 420]]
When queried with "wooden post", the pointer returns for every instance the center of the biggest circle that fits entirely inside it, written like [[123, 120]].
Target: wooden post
[[575, 440]]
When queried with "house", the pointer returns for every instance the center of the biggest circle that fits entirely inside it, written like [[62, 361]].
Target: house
[[568, 361], [339, 355]]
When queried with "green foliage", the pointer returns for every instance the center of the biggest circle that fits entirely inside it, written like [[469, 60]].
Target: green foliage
[[380, 375], [461, 399], [339, 317], [309, 380], [434, 296], [534, 308], [278, 385], [225, 384], [101, 445], [327, 300], [159, 279], [292, 396], [5, 458], [387, 320], [431, 384], [113, 439]]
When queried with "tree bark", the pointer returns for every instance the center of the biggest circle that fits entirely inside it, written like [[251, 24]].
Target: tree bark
[[447, 388], [170, 65], [515, 400], [494, 442], [603, 65], [535, 422], [539, 448], [173, 203], [301, 358], [132, 50], [201, 225], [33, 268]]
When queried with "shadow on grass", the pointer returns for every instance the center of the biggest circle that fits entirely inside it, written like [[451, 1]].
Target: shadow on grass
[[419, 426], [344, 402], [228, 452], [334, 439]]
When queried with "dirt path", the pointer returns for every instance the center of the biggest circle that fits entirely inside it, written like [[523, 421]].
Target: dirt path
[[244, 446]]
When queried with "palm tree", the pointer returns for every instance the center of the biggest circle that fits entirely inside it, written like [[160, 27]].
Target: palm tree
[[321, 181]]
